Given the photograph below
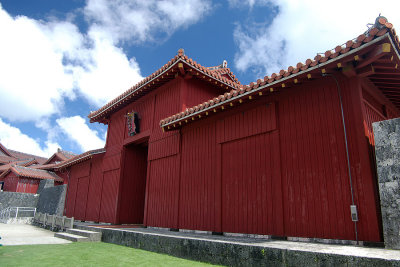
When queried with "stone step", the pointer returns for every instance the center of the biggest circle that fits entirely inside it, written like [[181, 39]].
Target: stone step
[[93, 236], [72, 237]]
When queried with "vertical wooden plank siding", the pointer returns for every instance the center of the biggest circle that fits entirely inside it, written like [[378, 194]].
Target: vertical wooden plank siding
[[250, 203], [363, 178], [166, 104], [197, 208], [71, 196], [77, 193], [11, 182], [81, 198], [162, 202], [316, 192], [198, 91], [109, 196], [95, 189]]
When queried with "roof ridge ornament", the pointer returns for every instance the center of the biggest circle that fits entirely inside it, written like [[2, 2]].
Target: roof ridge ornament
[[181, 52]]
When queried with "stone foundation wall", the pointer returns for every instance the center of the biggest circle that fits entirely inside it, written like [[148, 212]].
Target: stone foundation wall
[[14, 199], [387, 149]]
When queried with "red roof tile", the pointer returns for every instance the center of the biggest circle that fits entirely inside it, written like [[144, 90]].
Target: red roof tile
[[22, 155], [6, 159], [25, 163], [33, 173], [381, 30], [77, 159], [62, 155]]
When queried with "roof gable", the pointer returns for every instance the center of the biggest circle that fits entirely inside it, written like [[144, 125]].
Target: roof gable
[[59, 156], [179, 65]]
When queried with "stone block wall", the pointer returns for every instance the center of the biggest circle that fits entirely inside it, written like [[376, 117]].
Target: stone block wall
[[14, 199], [44, 184], [52, 200], [387, 149]]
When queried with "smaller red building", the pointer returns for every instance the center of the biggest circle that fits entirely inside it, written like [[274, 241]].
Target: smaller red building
[[21, 172], [26, 180]]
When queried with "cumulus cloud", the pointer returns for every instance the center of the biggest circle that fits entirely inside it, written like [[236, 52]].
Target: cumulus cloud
[[33, 80], [78, 131], [106, 73], [302, 29], [12, 138], [140, 20], [45, 62]]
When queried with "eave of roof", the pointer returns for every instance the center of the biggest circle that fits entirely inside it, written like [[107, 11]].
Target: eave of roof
[[162, 75], [276, 82], [32, 173], [4, 150], [75, 160], [19, 162], [62, 155]]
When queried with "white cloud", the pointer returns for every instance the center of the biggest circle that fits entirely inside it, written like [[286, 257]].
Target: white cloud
[[106, 73], [44, 62], [78, 131], [249, 3], [304, 28], [33, 80], [141, 20], [12, 138]]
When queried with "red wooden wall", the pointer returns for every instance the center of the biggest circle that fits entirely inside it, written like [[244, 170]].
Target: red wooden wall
[[14, 183], [10, 182], [280, 168], [276, 165]]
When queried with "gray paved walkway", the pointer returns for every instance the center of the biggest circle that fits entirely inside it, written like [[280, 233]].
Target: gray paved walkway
[[25, 234]]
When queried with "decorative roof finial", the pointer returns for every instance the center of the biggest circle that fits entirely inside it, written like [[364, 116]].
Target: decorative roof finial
[[224, 64], [380, 22], [181, 52]]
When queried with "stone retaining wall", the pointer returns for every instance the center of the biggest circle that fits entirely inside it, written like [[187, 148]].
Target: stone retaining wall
[[15, 199], [233, 253], [52, 200], [387, 149]]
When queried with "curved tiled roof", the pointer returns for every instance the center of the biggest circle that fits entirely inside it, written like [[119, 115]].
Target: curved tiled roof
[[24, 163], [61, 154], [77, 159], [22, 155], [33, 173], [162, 75], [378, 32]]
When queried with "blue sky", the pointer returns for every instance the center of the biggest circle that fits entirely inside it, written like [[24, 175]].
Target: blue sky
[[59, 60]]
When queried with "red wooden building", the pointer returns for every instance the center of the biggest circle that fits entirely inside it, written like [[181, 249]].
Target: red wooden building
[[189, 147], [21, 172], [26, 180]]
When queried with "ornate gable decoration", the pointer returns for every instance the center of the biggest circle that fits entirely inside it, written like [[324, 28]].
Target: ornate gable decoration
[[132, 122]]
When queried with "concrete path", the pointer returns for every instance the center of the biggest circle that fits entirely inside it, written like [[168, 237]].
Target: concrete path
[[25, 234]]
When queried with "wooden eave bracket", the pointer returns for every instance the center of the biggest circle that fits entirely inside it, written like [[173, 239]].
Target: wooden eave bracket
[[348, 70], [366, 71], [181, 68], [376, 53]]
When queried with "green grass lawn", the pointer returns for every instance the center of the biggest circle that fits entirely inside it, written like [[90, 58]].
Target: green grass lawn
[[86, 254]]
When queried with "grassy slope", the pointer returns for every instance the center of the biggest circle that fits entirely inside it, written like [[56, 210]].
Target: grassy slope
[[86, 254]]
